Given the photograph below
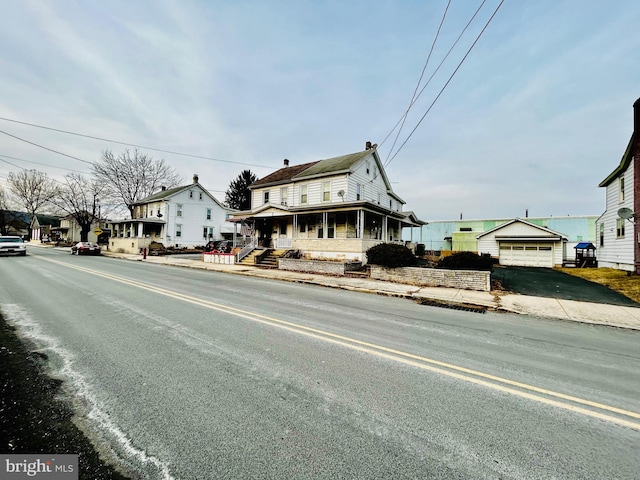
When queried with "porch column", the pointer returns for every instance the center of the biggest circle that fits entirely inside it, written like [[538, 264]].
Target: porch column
[[140, 230], [294, 234]]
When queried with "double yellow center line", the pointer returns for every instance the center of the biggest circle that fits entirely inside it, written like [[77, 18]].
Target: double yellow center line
[[589, 408]]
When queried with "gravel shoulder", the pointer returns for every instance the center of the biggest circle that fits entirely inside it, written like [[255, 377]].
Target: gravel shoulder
[[34, 417]]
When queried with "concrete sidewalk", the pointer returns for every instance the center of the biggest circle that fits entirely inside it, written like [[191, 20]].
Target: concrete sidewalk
[[586, 312]]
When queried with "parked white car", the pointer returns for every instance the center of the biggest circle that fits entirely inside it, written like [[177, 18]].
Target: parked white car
[[12, 246]]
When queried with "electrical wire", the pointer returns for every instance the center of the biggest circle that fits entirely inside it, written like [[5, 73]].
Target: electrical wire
[[447, 82], [39, 163], [424, 68], [130, 144], [46, 148], [435, 71]]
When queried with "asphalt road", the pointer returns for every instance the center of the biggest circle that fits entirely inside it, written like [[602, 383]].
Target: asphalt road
[[191, 374]]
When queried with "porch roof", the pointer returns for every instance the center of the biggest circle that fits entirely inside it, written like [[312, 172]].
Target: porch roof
[[274, 211], [154, 221]]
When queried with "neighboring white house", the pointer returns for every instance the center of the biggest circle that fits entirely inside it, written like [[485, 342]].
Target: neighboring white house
[[522, 243], [70, 231], [180, 217], [335, 208], [618, 244]]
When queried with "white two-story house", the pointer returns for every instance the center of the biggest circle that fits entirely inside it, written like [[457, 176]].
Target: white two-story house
[[335, 208], [180, 217], [618, 244]]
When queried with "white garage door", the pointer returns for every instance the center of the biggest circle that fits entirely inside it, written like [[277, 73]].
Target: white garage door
[[526, 254]]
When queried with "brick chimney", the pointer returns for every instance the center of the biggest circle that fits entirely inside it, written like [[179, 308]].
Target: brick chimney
[[286, 162], [367, 146], [635, 152], [195, 178]]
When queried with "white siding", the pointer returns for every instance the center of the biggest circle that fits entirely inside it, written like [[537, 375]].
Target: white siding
[[491, 245], [616, 252]]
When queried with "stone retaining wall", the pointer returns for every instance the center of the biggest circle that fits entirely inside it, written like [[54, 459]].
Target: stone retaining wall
[[433, 277], [317, 266]]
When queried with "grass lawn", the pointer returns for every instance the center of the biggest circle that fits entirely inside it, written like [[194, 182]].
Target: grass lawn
[[617, 280]]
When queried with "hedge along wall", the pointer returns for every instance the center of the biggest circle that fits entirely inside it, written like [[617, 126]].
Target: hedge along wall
[[434, 277], [317, 266]]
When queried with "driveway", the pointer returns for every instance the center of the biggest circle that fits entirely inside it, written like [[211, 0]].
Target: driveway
[[546, 282]]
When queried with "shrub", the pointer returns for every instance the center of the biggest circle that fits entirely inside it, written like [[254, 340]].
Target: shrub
[[390, 255], [466, 261]]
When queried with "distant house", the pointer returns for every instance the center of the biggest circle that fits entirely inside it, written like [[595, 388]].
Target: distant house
[[335, 208], [69, 229], [519, 242], [179, 217], [618, 242]]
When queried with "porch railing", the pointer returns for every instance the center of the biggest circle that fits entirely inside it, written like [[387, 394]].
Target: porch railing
[[247, 249], [283, 243]]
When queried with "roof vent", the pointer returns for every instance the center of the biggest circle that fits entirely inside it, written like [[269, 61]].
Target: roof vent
[[367, 146]]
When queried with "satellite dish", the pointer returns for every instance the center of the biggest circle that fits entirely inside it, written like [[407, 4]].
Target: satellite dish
[[341, 193], [626, 213]]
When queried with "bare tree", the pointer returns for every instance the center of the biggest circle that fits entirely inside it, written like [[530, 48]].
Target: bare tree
[[132, 176], [32, 189], [80, 198]]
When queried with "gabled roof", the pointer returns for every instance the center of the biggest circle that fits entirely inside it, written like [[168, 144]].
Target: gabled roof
[[166, 194], [333, 165], [548, 231], [284, 175], [624, 164], [321, 168]]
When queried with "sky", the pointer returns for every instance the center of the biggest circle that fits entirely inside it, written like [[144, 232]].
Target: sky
[[527, 117]]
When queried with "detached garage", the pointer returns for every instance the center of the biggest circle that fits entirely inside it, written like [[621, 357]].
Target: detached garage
[[521, 243]]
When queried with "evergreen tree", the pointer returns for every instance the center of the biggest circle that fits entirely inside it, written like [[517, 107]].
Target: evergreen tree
[[238, 195]]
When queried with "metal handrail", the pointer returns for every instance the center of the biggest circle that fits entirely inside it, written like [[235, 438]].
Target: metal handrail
[[247, 249]]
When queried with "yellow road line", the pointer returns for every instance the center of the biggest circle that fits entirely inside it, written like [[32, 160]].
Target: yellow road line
[[424, 363]]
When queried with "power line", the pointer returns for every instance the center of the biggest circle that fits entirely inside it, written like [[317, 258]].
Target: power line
[[435, 71], [39, 163], [447, 82], [130, 144], [415, 91], [46, 148]]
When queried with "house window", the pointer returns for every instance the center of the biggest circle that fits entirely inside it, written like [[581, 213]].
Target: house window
[[208, 214], [303, 194], [331, 226], [178, 230], [326, 191], [283, 227], [303, 226], [621, 189], [178, 210], [367, 163], [602, 234], [284, 194], [620, 227], [358, 191], [265, 197], [207, 232]]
